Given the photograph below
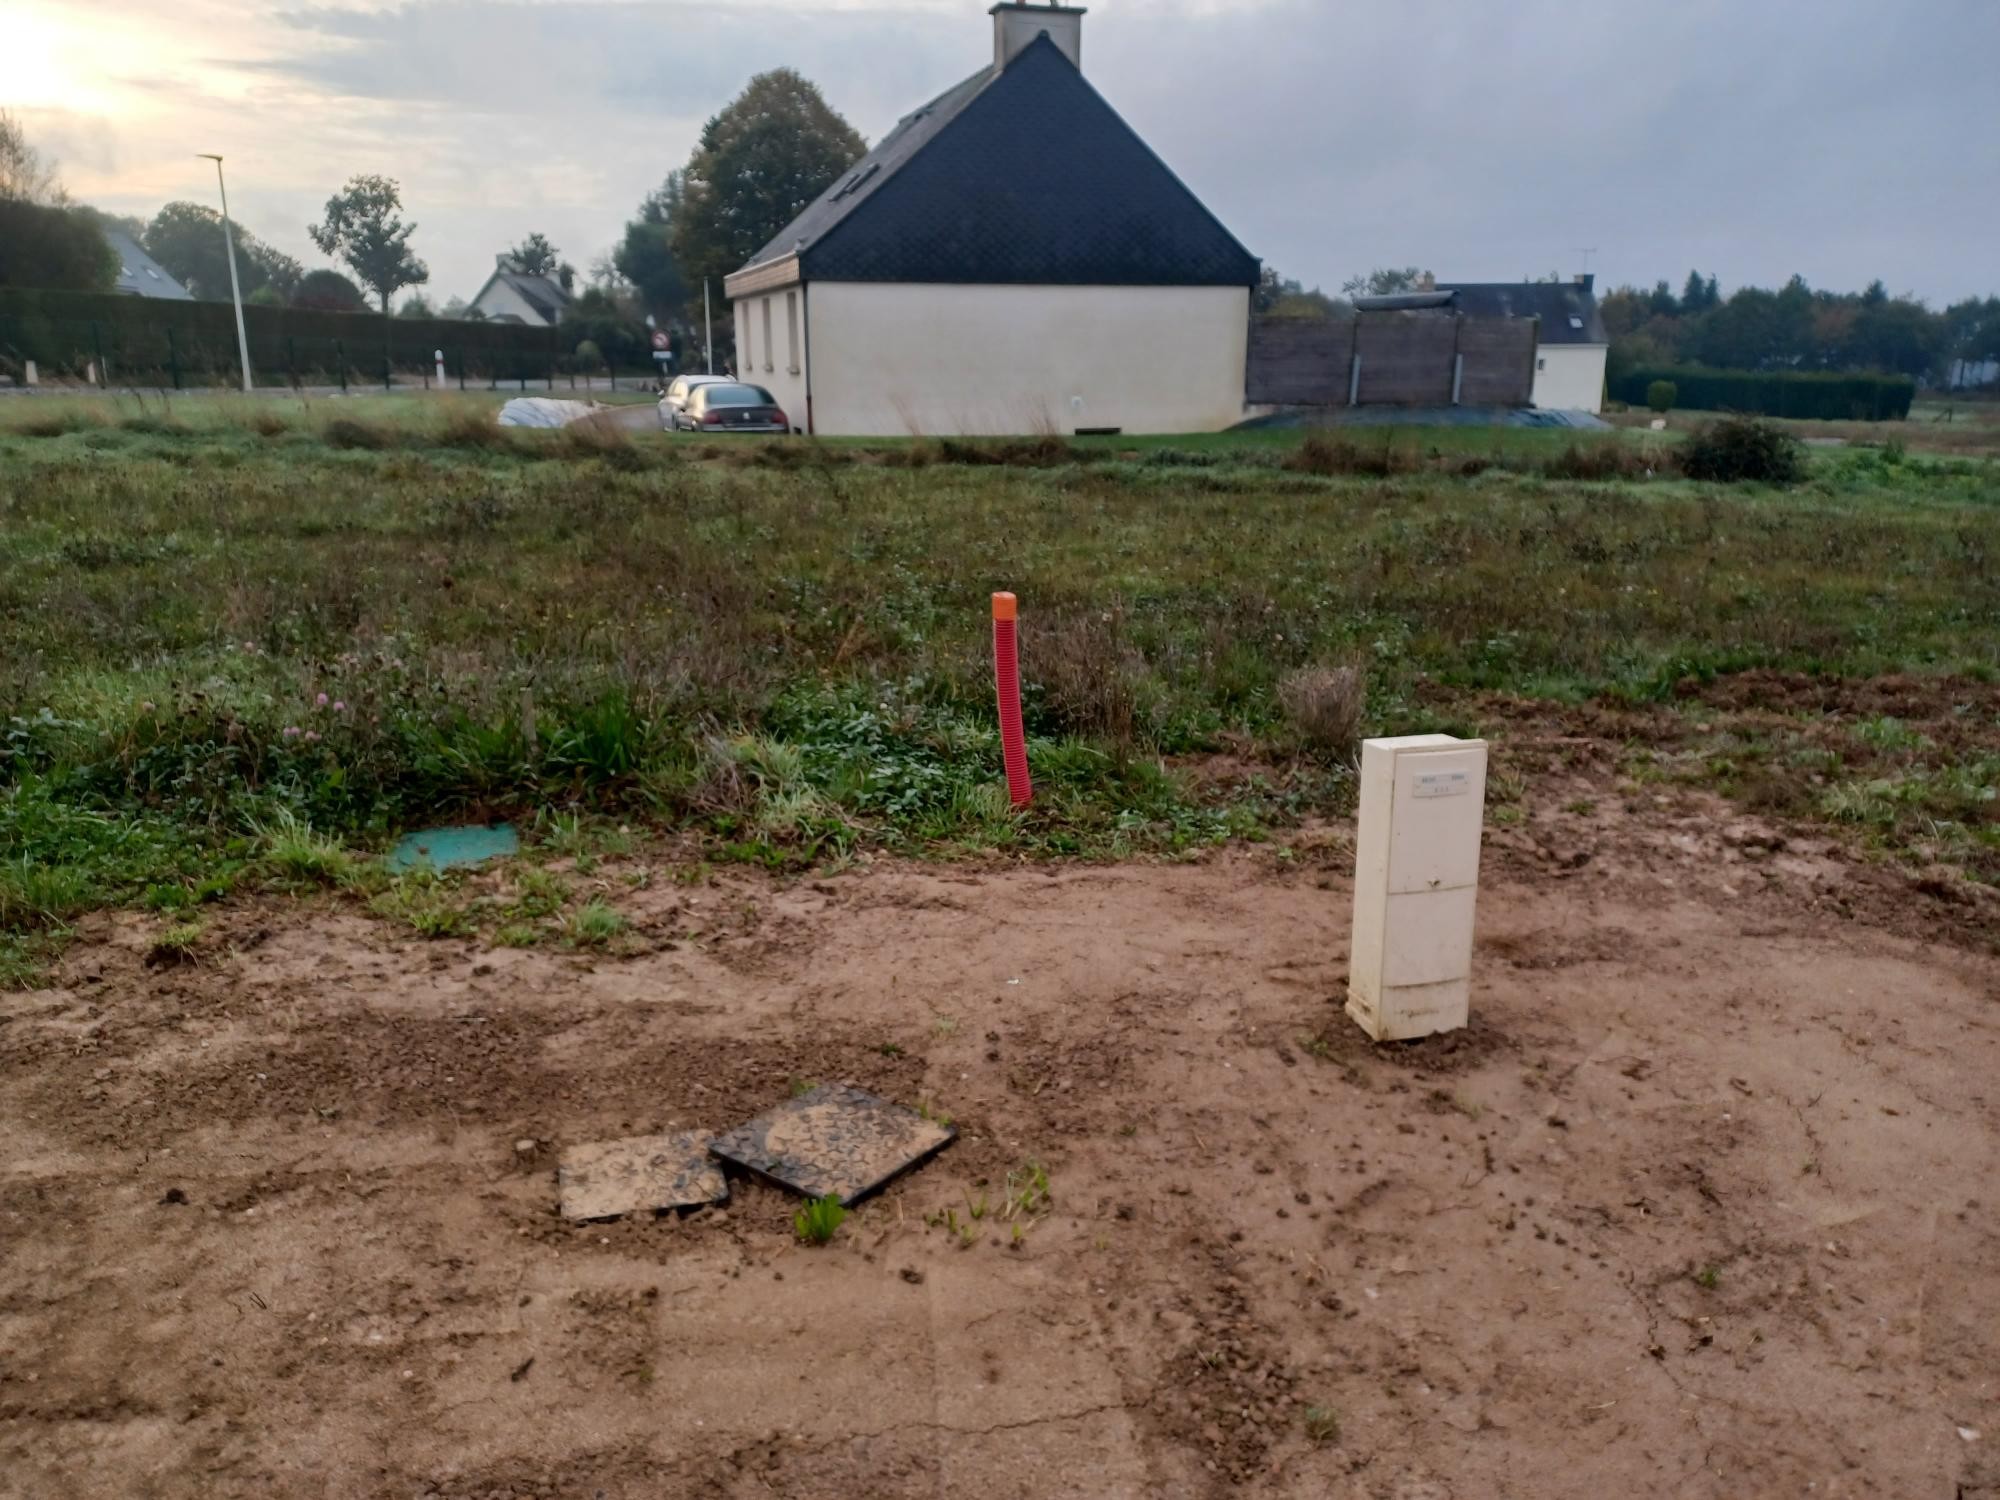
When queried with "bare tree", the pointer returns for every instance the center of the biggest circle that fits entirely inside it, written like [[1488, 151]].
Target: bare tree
[[25, 175]]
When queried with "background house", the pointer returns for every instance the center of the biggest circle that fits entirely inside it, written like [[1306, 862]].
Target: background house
[[1011, 258], [1569, 364], [509, 296], [139, 275]]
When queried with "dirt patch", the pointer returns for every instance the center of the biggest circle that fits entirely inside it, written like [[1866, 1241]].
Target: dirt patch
[[1694, 1207]]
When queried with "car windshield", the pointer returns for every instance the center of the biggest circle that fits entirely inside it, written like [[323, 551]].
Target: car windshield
[[736, 395]]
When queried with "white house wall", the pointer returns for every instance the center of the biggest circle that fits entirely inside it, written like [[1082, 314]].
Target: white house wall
[[501, 300], [893, 359], [1570, 377], [779, 368]]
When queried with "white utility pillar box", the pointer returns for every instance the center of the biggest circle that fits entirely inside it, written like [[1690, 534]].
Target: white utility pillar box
[[1416, 880]]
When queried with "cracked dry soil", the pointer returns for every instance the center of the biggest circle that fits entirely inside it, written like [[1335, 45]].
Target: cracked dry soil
[[1703, 1204]]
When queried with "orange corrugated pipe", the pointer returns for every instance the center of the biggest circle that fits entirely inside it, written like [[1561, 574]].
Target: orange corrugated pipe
[[1007, 678]]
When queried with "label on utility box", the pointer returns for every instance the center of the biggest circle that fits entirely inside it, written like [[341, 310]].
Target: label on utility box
[[1442, 784]]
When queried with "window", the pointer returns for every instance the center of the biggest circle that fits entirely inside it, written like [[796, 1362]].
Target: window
[[749, 358], [1576, 322], [792, 329], [767, 335], [1541, 364]]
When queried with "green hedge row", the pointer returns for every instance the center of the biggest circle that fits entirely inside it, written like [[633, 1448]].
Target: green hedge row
[[1776, 393], [145, 338]]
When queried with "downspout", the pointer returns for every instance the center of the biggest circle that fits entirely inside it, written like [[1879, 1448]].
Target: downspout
[[806, 334]]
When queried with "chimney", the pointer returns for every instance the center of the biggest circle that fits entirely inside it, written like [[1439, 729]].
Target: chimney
[[1586, 280], [1016, 25]]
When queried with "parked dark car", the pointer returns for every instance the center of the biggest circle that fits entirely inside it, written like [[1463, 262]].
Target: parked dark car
[[732, 408], [674, 399]]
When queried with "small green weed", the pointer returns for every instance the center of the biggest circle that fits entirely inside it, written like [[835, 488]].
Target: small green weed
[[178, 944], [803, 1086], [1322, 1424], [517, 935], [1027, 1192], [539, 892], [594, 924], [1708, 1278], [301, 856], [819, 1220]]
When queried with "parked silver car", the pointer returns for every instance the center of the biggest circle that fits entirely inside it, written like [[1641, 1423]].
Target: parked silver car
[[675, 399]]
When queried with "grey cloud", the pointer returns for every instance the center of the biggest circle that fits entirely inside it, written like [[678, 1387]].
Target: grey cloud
[[1836, 138]]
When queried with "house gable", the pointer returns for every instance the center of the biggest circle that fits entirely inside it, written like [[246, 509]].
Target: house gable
[[1023, 175]]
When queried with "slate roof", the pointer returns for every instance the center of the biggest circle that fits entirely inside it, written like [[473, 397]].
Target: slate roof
[[1568, 309], [1020, 175], [139, 275], [543, 293]]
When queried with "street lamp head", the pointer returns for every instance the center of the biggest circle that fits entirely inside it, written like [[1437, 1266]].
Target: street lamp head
[[208, 156]]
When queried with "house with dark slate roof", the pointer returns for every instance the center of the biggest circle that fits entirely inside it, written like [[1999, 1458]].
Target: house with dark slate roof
[[1572, 344], [510, 296], [1010, 258]]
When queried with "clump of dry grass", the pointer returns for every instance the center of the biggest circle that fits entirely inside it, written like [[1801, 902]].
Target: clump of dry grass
[[1608, 459], [1329, 456], [1324, 705], [1089, 674], [351, 432], [470, 427], [50, 424], [1043, 451], [267, 423], [601, 437]]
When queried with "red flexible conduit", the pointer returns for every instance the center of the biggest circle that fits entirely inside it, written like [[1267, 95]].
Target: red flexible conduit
[[1007, 677]]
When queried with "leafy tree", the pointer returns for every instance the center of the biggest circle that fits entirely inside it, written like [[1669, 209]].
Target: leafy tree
[[535, 256], [328, 291], [55, 248], [645, 256], [1281, 297], [364, 227], [1897, 335], [1385, 281], [1662, 303], [416, 305], [1699, 296], [186, 238], [758, 164], [26, 176]]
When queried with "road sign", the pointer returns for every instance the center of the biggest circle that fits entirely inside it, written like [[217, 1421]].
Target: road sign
[[660, 340]]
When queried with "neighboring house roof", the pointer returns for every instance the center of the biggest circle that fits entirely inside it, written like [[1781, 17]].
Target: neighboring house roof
[[1019, 175], [139, 275], [1568, 309], [542, 293]]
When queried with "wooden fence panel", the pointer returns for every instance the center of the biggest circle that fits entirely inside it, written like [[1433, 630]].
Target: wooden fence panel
[[1499, 356], [1406, 357], [1300, 361]]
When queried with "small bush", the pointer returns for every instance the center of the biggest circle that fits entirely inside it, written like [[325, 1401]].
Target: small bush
[[1042, 452], [346, 432], [1661, 395], [268, 424], [1743, 450], [1325, 706], [55, 424], [600, 437]]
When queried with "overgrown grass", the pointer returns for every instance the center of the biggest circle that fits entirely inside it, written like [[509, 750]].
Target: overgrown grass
[[227, 654]]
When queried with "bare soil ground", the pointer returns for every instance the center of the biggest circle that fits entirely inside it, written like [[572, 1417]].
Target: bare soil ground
[[1703, 1204]]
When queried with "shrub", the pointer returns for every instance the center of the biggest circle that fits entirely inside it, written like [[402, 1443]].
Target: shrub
[[1324, 706], [470, 427], [1743, 449], [1608, 459], [1661, 395]]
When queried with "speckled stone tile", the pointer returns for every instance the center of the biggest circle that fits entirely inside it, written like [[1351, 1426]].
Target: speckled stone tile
[[646, 1173], [833, 1141]]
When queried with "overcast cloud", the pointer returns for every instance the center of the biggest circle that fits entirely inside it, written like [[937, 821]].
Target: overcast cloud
[[1483, 139]]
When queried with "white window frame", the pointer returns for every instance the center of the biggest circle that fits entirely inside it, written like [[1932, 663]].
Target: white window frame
[[768, 350], [792, 330]]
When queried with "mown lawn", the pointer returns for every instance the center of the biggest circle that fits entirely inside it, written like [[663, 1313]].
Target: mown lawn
[[235, 649]]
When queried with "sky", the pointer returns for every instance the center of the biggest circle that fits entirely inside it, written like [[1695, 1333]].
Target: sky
[[1843, 140]]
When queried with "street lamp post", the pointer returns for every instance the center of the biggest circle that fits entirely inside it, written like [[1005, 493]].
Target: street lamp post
[[235, 290]]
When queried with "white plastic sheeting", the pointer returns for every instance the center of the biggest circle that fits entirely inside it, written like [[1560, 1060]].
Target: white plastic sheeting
[[541, 411]]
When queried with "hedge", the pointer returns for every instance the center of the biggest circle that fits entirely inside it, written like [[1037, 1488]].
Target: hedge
[[1777, 393], [147, 339]]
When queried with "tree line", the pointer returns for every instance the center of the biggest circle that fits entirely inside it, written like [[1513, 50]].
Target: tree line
[[1796, 327]]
